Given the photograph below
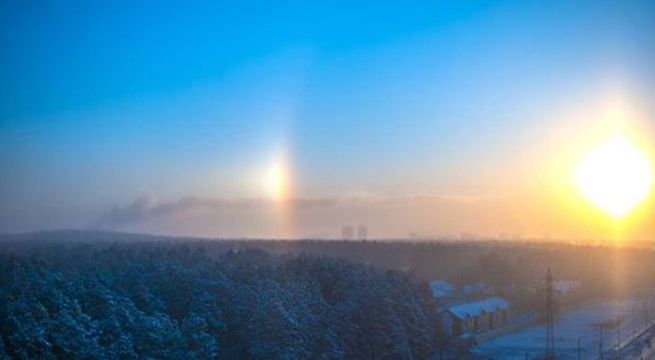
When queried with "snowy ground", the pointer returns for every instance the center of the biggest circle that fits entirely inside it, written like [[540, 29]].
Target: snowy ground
[[575, 324]]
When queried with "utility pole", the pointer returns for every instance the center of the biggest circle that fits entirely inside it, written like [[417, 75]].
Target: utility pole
[[579, 348], [550, 317], [618, 346], [645, 314], [634, 320], [600, 342]]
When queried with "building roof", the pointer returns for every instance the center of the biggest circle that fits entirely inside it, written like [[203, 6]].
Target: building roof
[[475, 288], [491, 304], [441, 288]]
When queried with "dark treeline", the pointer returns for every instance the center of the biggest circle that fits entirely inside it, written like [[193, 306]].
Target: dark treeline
[[510, 268], [498, 263], [141, 299]]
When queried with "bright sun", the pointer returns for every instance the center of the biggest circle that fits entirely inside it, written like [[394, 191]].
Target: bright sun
[[615, 176], [276, 180]]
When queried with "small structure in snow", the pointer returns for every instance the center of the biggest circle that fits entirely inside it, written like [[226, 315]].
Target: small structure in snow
[[477, 289], [475, 317], [441, 289], [566, 287]]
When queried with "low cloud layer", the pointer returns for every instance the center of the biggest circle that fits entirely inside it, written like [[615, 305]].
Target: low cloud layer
[[147, 208], [425, 216]]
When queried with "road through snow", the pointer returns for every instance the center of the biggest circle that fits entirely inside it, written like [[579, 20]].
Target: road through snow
[[573, 328]]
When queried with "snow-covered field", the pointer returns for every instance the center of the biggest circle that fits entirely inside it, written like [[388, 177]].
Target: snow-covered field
[[571, 326]]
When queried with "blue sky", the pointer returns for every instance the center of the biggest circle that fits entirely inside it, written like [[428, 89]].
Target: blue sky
[[104, 102]]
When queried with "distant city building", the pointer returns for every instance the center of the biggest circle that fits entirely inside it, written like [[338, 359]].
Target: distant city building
[[347, 233], [475, 317], [362, 232]]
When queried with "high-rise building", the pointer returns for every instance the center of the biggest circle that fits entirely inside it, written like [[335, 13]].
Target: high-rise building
[[362, 232], [347, 232]]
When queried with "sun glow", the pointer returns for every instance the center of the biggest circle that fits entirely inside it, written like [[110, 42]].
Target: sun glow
[[276, 180], [616, 176], [277, 186]]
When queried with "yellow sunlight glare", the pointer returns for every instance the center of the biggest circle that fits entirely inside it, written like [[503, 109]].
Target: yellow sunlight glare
[[616, 176], [276, 180]]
